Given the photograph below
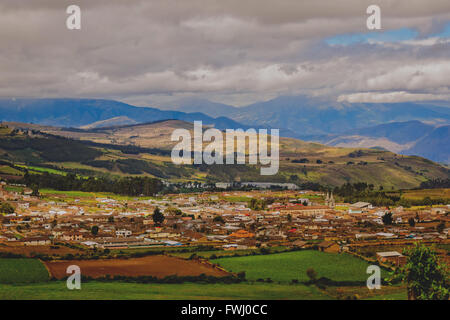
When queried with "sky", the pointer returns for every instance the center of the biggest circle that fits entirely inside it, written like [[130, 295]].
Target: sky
[[148, 53]]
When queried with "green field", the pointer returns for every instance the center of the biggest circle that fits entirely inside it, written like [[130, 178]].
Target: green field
[[90, 195], [22, 271], [208, 253], [42, 169], [120, 290], [293, 265]]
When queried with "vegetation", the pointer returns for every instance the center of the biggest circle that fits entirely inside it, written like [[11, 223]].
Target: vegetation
[[158, 217], [293, 265], [435, 183], [186, 291], [17, 270], [131, 186], [427, 278], [387, 219], [7, 208], [361, 191]]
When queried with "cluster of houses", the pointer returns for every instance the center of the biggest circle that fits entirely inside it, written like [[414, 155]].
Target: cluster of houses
[[219, 219]]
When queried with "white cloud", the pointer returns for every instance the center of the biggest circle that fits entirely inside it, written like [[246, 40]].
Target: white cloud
[[387, 97]]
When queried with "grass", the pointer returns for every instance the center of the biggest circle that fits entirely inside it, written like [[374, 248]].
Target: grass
[[293, 265], [188, 291], [400, 295], [208, 254], [422, 193], [13, 189], [92, 195], [43, 169], [11, 171], [22, 271]]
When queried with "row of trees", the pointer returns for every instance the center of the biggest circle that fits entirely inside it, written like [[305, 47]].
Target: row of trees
[[130, 186], [361, 191]]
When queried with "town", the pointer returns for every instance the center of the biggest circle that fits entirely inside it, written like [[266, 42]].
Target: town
[[54, 222]]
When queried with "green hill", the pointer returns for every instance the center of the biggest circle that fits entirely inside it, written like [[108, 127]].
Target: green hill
[[144, 150]]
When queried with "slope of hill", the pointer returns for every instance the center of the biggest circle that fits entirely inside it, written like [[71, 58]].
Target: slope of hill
[[435, 145], [82, 112], [116, 121], [409, 138], [212, 109], [144, 149], [309, 116]]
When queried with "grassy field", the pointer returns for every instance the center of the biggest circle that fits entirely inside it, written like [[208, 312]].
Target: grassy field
[[22, 271], [89, 195], [422, 193], [218, 253], [293, 265], [42, 169], [120, 291]]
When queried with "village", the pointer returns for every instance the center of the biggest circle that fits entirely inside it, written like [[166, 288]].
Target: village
[[227, 220]]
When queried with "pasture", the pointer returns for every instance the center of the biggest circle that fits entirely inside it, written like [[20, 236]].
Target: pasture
[[287, 266], [190, 291], [22, 271]]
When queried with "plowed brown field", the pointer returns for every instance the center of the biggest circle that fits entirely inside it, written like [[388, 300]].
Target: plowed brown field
[[157, 266]]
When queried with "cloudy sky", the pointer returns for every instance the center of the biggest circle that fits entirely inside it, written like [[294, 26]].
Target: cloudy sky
[[233, 51]]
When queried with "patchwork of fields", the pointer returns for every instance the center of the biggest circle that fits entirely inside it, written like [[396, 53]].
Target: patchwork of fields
[[28, 278]]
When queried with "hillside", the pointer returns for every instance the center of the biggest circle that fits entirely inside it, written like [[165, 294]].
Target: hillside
[[409, 138], [145, 150]]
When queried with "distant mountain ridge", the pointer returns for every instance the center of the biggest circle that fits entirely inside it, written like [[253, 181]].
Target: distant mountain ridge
[[408, 128], [307, 116], [84, 112], [408, 138]]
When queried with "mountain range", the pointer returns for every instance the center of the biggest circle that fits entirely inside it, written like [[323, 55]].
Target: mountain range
[[419, 128], [408, 138], [145, 150], [86, 112]]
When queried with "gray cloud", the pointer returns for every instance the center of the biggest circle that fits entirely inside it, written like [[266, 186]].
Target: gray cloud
[[230, 51]]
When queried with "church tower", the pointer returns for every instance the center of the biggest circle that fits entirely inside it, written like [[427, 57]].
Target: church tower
[[331, 201]]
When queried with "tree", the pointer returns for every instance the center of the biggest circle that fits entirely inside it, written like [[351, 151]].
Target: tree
[[218, 219], [5, 207], [35, 189], [312, 274], [94, 230], [387, 218], [158, 217], [424, 275], [440, 227], [412, 222]]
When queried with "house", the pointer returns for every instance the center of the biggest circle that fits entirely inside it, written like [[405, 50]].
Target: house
[[298, 244], [360, 207], [392, 257], [242, 234], [305, 210], [123, 233], [36, 241], [72, 236], [329, 246]]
